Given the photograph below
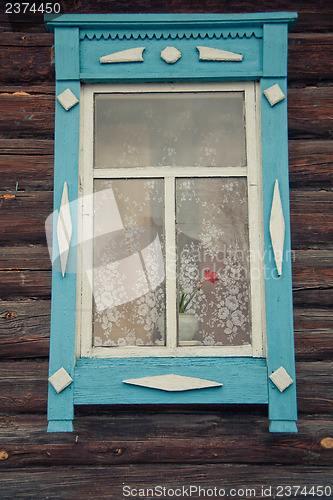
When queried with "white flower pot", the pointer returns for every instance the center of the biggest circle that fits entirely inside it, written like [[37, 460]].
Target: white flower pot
[[187, 326]]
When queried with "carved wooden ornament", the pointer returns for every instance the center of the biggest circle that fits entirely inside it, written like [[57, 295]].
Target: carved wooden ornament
[[60, 380], [281, 379], [124, 56], [171, 55], [172, 383], [274, 94], [277, 228], [210, 54], [67, 99], [64, 229]]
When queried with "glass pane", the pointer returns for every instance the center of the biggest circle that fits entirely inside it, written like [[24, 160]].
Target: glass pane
[[212, 234], [170, 129], [129, 295]]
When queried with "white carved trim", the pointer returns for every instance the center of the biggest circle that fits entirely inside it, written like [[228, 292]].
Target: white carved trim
[[125, 56], [171, 55], [281, 379], [172, 383], [210, 54], [60, 380], [64, 229], [274, 94], [277, 228], [67, 99]]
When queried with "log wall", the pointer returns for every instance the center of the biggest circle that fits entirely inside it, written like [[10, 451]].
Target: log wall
[[145, 446]]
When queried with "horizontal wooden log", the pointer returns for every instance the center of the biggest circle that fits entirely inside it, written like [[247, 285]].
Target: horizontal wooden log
[[31, 172], [22, 219], [124, 437], [26, 271], [197, 481], [309, 57], [312, 16], [309, 114], [27, 115], [23, 386], [24, 328], [30, 147], [310, 163], [311, 218], [29, 57], [30, 162]]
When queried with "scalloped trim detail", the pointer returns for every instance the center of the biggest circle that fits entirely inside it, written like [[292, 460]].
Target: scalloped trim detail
[[160, 35]]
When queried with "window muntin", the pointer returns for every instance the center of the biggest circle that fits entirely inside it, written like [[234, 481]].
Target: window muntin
[[252, 322]]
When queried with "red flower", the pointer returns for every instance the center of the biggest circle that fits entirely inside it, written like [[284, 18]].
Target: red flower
[[211, 276]]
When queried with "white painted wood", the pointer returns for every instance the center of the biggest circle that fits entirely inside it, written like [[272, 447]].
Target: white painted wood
[[161, 172], [274, 94], [87, 174], [85, 227], [60, 380], [170, 261], [67, 99], [281, 379], [171, 55], [159, 351], [277, 228], [64, 229], [173, 383], [210, 54], [256, 236], [124, 56]]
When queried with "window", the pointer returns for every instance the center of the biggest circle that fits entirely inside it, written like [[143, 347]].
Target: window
[[171, 276], [177, 192]]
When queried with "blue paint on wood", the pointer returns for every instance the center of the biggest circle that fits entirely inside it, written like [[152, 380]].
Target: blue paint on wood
[[67, 53], [262, 39], [100, 381], [283, 426], [60, 426], [154, 68], [279, 313], [275, 50], [168, 22], [63, 304]]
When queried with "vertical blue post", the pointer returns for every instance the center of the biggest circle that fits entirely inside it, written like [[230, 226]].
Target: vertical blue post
[[279, 310], [63, 305]]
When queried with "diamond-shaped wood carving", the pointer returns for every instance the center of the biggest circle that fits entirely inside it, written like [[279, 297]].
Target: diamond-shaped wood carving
[[67, 99], [60, 380], [274, 94], [281, 379], [172, 383], [277, 228], [64, 229]]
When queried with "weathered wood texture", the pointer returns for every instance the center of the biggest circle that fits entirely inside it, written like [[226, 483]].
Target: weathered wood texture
[[30, 114], [315, 16], [23, 54], [148, 445]]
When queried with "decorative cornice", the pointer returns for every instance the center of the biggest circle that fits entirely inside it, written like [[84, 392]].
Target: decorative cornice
[[142, 34]]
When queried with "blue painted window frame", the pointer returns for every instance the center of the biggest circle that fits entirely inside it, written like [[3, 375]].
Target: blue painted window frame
[[80, 39]]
